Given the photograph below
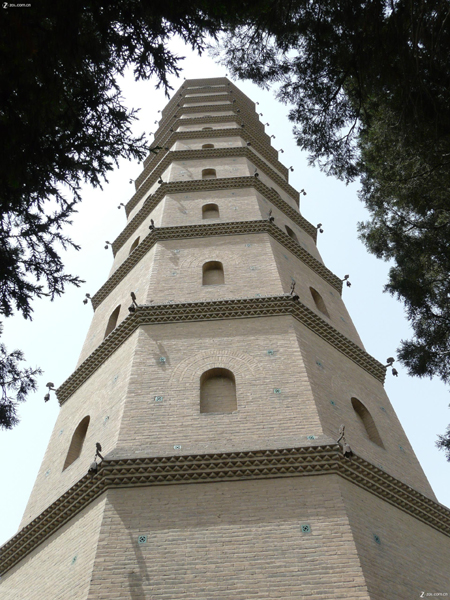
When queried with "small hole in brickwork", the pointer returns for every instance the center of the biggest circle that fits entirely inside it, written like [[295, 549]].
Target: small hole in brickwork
[[247, 245], [162, 359], [270, 352], [142, 539], [376, 538], [158, 398], [177, 447], [311, 437], [305, 527], [401, 448], [74, 559], [319, 364], [333, 403], [105, 420], [276, 390], [47, 473]]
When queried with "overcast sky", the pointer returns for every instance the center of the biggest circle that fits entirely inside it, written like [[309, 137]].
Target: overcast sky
[[54, 338]]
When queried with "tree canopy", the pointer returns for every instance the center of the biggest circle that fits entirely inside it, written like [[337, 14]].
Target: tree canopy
[[368, 84]]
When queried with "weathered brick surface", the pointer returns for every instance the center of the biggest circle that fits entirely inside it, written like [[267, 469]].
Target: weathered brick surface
[[237, 540], [61, 567], [137, 281], [335, 378], [264, 418], [410, 559], [101, 397]]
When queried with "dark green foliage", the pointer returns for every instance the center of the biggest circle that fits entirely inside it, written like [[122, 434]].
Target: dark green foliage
[[15, 384], [369, 86], [443, 443]]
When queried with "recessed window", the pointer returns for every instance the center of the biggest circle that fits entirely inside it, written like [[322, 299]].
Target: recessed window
[[218, 391], [134, 245], [206, 128], [213, 273], [209, 174], [210, 211], [291, 234], [366, 419], [76, 444], [208, 146], [319, 302], [112, 322]]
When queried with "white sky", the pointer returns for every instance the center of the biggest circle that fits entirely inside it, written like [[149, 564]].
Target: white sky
[[54, 338]]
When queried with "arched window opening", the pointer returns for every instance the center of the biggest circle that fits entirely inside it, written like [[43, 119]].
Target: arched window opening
[[76, 444], [213, 273], [209, 174], [134, 245], [206, 128], [318, 301], [218, 391], [210, 211], [291, 234], [112, 322], [368, 422], [208, 146]]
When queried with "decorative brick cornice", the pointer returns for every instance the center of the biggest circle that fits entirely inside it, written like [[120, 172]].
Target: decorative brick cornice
[[165, 138], [218, 310], [184, 90], [174, 120], [246, 113], [202, 230], [259, 139], [210, 153], [204, 185], [239, 151], [231, 466], [242, 133]]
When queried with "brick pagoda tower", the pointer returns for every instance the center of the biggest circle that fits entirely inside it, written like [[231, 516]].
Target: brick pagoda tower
[[217, 395]]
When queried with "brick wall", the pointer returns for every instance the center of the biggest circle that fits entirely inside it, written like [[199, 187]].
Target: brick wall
[[61, 567], [237, 540]]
